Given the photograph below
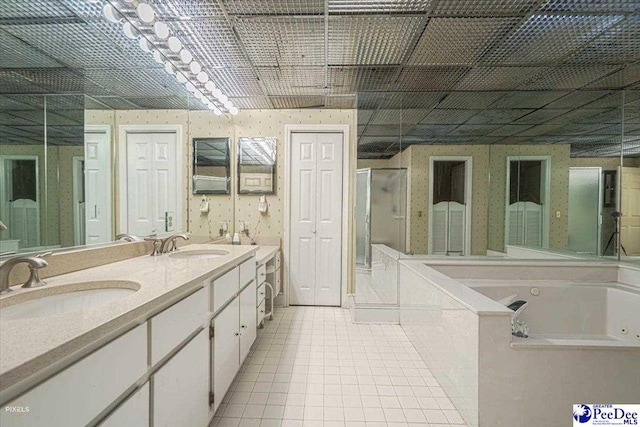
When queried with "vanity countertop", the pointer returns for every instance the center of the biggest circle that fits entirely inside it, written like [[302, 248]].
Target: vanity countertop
[[33, 347], [265, 253]]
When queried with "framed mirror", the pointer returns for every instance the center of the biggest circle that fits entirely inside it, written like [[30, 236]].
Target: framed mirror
[[211, 166], [256, 165]]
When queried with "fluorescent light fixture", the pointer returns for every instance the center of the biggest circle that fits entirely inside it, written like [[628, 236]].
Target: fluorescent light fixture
[[195, 67], [185, 56], [223, 98], [174, 44], [210, 86], [181, 78], [145, 45], [228, 105], [233, 110], [145, 13], [129, 30], [190, 87], [110, 13], [202, 77], [157, 56], [169, 68], [161, 30], [216, 92]]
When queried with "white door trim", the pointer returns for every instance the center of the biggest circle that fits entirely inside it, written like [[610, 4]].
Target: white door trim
[[547, 197], [468, 197], [346, 181], [77, 176], [123, 130]]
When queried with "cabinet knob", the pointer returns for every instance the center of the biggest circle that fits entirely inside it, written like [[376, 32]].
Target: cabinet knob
[[244, 326], [261, 311], [237, 333]]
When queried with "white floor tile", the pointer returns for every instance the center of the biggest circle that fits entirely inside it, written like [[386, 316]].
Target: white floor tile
[[312, 367]]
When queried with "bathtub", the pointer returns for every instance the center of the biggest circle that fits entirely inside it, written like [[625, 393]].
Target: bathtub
[[584, 343], [565, 313]]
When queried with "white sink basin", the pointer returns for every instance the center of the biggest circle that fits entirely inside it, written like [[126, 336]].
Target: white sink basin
[[199, 254], [64, 299]]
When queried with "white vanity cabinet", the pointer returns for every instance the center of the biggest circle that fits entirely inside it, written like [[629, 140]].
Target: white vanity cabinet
[[225, 350], [181, 386], [248, 322], [132, 412], [233, 328], [77, 395]]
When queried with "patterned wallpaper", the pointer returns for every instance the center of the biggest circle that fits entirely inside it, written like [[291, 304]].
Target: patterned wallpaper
[[233, 207], [488, 182]]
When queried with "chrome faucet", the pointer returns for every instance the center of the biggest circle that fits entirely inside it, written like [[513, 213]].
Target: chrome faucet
[[35, 264], [169, 243], [128, 237], [157, 244]]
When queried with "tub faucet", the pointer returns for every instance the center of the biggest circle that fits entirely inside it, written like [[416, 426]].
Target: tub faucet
[[35, 264], [518, 328], [169, 243]]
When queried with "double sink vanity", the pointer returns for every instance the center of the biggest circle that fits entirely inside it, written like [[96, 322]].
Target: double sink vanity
[[147, 340]]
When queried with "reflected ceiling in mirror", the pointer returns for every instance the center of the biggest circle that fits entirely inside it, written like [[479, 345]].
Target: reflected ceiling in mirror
[[256, 165], [211, 166]]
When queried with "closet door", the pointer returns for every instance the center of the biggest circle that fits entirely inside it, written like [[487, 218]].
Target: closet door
[[316, 219]]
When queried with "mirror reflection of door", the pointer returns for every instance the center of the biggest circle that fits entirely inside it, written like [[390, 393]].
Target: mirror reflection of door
[[630, 208], [527, 210], [79, 228], [95, 182], [585, 210], [20, 202], [450, 206]]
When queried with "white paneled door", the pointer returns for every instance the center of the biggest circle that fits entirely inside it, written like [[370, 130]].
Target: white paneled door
[[316, 219], [97, 187], [152, 190]]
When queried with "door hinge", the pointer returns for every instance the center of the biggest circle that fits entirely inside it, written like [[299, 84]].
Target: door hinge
[[212, 332], [210, 398]]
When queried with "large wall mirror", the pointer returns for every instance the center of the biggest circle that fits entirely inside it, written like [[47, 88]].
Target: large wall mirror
[[44, 200], [536, 174], [256, 165], [211, 166]]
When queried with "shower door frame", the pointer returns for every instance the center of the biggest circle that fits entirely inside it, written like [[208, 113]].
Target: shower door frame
[[367, 226]]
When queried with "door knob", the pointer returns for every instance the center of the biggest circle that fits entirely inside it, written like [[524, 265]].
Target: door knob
[[313, 231]]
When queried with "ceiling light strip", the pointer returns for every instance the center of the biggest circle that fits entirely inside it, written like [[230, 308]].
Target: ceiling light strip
[[140, 21]]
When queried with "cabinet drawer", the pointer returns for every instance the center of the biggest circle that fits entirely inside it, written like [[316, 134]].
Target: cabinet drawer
[[277, 285], [224, 288], [172, 326], [261, 309], [79, 393], [261, 293], [133, 412], [247, 271], [262, 274]]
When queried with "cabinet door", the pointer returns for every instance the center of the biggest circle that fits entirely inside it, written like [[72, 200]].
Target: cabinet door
[[226, 350], [248, 322], [79, 393], [133, 412], [181, 386]]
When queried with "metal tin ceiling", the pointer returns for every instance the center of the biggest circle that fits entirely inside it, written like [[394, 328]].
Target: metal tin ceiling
[[507, 71]]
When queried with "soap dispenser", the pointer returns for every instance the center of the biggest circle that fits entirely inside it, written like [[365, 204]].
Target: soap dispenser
[[236, 239]]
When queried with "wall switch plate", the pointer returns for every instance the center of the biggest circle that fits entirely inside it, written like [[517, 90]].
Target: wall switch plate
[[558, 214]]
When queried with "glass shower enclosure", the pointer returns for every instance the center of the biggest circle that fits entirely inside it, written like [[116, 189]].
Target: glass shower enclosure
[[381, 208]]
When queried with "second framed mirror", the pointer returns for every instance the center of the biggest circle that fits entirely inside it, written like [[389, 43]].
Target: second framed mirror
[[256, 165]]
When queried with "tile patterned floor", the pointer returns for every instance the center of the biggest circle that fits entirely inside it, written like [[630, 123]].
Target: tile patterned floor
[[312, 367]]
